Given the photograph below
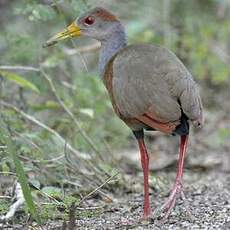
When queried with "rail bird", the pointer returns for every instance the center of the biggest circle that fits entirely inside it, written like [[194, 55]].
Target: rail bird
[[149, 87]]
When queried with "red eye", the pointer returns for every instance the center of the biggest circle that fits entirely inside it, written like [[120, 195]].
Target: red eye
[[89, 20]]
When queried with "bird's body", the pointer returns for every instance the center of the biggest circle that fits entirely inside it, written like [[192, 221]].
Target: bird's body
[[149, 87]]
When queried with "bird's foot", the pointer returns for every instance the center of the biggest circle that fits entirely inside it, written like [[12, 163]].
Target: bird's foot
[[170, 203]]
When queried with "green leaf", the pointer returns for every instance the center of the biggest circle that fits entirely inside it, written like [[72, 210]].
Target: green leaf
[[19, 80], [7, 139]]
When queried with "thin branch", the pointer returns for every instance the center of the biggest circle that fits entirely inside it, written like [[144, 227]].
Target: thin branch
[[21, 68], [87, 168], [67, 110], [50, 197], [45, 127], [28, 141], [108, 198], [43, 161], [77, 208], [98, 188]]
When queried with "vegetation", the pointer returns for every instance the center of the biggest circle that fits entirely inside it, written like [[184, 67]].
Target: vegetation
[[56, 111]]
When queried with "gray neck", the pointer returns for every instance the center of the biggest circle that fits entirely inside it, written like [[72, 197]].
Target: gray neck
[[110, 46]]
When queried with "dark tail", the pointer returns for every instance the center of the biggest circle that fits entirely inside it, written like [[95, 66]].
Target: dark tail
[[183, 127]]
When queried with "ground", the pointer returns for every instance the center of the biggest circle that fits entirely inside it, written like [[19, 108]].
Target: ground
[[206, 186], [207, 194]]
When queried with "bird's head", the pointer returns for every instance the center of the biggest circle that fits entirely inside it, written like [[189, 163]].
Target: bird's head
[[97, 23]]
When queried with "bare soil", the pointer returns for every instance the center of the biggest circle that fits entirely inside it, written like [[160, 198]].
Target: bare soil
[[207, 193]]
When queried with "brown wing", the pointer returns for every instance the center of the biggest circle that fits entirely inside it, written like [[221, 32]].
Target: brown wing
[[147, 84]]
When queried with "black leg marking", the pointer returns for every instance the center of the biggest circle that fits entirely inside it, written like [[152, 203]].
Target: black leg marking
[[139, 134], [183, 128]]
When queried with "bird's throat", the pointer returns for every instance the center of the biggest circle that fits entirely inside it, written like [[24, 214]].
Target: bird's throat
[[111, 46]]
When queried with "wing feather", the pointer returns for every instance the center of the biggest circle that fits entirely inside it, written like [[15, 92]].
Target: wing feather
[[150, 79]]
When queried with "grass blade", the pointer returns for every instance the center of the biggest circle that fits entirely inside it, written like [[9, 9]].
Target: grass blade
[[19, 80], [6, 138]]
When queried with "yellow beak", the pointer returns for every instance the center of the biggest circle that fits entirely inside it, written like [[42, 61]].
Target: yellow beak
[[72, 30]]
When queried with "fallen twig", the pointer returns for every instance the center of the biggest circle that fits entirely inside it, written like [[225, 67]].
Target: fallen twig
[[16, 205]]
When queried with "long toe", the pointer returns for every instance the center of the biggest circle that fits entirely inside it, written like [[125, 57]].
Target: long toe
[[170, 203], [171, 199], [169, 208]]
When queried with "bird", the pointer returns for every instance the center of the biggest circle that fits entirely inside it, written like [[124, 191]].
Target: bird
[[149, 87]]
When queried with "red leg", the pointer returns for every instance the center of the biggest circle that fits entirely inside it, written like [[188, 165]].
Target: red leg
[[145, 167], [177, 188]]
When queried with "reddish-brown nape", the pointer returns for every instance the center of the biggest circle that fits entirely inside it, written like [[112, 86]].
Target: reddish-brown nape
[[105, 15]]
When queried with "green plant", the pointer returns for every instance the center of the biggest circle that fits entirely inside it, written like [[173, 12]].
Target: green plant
[[11, 149]]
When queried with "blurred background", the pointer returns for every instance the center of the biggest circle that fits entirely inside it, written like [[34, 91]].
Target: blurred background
[[57, 109]]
